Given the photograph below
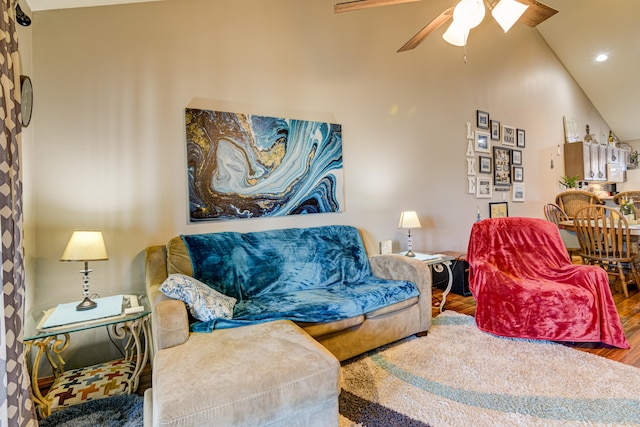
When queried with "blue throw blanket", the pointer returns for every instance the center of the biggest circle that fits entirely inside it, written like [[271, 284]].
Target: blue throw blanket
[[318, 274]]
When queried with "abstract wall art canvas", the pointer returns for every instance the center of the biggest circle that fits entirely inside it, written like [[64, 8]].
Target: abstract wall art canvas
[[250, 166]]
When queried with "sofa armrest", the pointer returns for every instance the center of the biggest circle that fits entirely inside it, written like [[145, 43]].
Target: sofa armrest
[[169, 319], [400, 267], [169, 323]]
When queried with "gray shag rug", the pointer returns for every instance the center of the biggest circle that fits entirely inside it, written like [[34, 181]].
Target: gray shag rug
[[115, 411], [460, 376]]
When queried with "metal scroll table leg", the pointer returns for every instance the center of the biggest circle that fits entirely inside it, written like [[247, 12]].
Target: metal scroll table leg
[[447, 264]]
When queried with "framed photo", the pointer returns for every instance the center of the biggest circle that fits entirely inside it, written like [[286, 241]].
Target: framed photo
[[495, 130], [485, 164], [483, 188], [508, 135], [482, 142], [518, 174], [518, 193], [498, 210], [482, 120], [520, 138], [516, 157], [501, 166]]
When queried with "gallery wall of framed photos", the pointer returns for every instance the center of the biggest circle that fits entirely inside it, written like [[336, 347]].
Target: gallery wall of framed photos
[[494, 157]]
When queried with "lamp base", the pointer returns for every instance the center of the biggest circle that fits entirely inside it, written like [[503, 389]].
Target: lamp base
[[86, 304], [410, 253]]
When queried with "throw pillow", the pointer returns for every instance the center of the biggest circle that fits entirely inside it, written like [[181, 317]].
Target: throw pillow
[[204, 303]]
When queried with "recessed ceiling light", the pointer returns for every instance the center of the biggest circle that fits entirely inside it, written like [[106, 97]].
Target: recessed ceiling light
[[602, 57]]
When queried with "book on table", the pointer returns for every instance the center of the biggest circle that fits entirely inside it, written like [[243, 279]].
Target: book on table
[[427, 257], [65, 314]]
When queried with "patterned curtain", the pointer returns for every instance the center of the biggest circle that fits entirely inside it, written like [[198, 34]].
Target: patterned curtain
[[16, 403]]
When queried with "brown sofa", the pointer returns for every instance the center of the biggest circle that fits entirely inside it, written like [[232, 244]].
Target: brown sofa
[[172, 342]]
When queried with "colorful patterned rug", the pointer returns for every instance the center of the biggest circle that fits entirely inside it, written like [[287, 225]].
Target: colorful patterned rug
[[460, 376]]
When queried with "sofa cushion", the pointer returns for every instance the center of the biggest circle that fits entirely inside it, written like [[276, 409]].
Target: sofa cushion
[[178, 259], [250, 265], [318, 329], [204, 303], [318, 274], [241, 377], [402, 305], [337, 302]]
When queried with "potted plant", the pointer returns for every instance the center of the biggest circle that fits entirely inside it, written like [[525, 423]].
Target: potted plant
[[569, 181]]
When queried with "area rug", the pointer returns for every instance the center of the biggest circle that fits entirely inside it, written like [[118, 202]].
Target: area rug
[[115, 411], [460, 376]]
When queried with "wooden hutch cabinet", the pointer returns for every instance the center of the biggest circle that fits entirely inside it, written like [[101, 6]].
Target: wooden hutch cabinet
[[594, 162]]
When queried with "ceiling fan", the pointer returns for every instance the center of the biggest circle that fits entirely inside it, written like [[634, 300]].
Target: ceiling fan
[[465, 15]]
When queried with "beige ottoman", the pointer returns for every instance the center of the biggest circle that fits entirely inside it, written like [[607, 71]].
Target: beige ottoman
[[267, 374]]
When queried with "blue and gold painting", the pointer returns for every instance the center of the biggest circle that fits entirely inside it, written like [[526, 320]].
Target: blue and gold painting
[[250, 166]]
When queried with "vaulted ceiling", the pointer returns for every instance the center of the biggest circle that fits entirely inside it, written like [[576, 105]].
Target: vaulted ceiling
[[577, 34], [582, 30]]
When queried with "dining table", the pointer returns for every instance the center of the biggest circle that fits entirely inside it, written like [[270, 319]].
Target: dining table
[[634, 229], [634, 233]]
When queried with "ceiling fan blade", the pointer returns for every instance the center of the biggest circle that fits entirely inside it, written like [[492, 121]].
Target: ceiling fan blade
[[436, 23], [536, 13], [366, 4]]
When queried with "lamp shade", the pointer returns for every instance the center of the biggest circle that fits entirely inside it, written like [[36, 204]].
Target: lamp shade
[[85, 245], [409, 219], [507, 12]]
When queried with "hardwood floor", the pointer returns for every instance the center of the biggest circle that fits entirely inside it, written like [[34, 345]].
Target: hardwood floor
[[628, 309]]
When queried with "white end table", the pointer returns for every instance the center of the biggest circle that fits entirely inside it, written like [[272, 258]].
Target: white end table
[[438, 260]]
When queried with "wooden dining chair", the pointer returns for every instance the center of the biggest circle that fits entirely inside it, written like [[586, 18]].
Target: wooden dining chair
[[571, 201], [605, 241], [555, 214], [619, 198]]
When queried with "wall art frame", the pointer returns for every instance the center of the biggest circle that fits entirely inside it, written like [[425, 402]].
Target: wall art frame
[[501, 166], [483, 188], [495, 130], [518, 174], [484, 164], [498, 210], [516, 157], [273, 166], [482, 120], [483, 144], [517, 194], [520, 138], [508, 135]]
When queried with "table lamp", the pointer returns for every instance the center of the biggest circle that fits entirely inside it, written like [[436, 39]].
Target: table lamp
[[85, 245], [409, 220]]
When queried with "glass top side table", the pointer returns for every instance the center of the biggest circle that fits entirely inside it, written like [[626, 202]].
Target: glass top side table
[[95, 381]]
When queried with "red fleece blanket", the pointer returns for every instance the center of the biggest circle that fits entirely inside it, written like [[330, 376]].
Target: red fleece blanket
[[525, 285]]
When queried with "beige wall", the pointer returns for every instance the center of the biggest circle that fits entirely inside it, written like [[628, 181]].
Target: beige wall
[[111, 84]]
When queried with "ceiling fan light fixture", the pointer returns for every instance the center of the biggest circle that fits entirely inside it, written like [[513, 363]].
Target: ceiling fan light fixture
[[469, 13], [456, 34], [507, 12]]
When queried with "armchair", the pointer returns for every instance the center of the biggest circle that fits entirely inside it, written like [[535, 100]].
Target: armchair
[[525, 285]]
